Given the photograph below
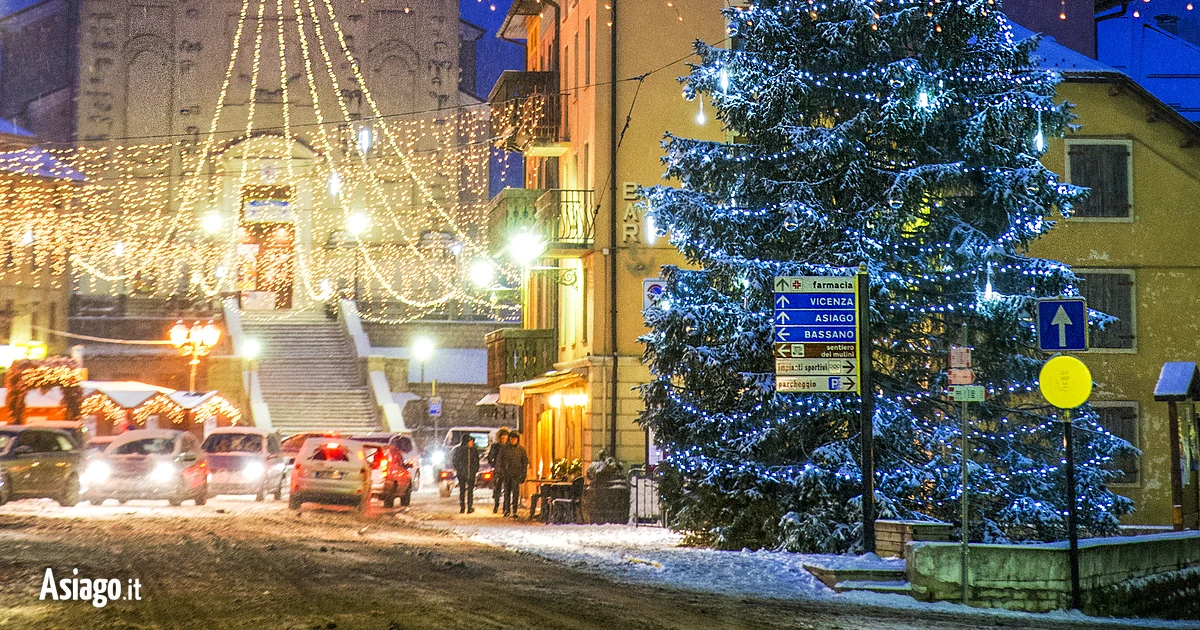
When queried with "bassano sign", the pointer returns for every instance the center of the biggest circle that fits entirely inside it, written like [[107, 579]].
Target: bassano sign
[[817, 333]]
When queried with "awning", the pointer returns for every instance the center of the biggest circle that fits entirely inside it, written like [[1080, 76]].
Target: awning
[[488, 401], [515, 393]]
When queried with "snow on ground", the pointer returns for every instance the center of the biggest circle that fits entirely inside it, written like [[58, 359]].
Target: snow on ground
[[652, 556]]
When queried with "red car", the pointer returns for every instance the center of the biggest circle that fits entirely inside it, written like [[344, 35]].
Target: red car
[[390, 474]]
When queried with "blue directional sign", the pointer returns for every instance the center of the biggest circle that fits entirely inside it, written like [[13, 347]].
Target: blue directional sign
[[1062, 325], [816, 334]]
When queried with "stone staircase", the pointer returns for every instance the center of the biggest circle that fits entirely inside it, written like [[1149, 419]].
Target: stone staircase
[[872, 574], [309, 375]]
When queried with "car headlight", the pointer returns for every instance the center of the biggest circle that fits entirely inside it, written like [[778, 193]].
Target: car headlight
[[253, 470], [439, 458], [163, 472], [97, 471]]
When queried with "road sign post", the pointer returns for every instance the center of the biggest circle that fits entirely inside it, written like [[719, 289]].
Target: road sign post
[[962, 377], [822, 345], [1066, 383]]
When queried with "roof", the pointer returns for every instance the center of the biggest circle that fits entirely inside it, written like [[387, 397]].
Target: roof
[[242, 429], [36, 162], [514, 23], [126, 394], [11, 128], [1054, 56], [488, 401], [145, 434], [1078, 68], [191, 400]]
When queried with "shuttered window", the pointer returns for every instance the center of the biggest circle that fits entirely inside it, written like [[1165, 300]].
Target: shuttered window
[[1104, 168], [1110, 292], [1121, 420]]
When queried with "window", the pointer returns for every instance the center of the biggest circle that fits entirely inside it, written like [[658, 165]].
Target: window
[[1121, 420], [575, 68], [587, 52], [584, 289], [1105, 167], [1110, 292], [585, 177]]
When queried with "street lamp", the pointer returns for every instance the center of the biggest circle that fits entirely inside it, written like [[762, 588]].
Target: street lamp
[[482, 273], [422, 350], [195, 341], [356, 224]]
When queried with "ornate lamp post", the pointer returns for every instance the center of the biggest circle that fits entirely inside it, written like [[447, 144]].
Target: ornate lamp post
[[195, 341]]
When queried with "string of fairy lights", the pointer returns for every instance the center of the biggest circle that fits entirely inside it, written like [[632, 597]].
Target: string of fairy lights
[[394, 202]]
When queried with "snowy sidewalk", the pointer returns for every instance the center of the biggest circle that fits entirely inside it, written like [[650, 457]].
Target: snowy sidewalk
[[652, 556]]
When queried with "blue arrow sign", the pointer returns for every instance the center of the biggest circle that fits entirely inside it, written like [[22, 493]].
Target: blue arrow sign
[[823, 301], [1062, 325], [790, 317], [815, 334]]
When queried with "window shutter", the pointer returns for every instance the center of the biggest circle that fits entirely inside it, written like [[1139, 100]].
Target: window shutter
[[1112, 294], [1103, 168]]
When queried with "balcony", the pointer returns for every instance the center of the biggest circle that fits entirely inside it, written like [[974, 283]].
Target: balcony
[[565, 219], [518, 354], [527, 111]]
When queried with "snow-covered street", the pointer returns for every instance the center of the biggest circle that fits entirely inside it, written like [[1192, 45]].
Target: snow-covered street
[[650, 555]]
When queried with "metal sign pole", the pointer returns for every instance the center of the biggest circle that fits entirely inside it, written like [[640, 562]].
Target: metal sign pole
[[867, 418], [1072, 521], [964, 529]]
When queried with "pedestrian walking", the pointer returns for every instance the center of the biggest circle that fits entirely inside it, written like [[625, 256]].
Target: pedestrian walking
[[498, 445], [465, 458], [515, 463]]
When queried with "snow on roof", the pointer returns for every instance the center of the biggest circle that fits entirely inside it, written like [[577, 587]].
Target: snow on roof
[[11, 128], [36, 162], [144, 434], [191, 400], [1052, 55], [127, 394]]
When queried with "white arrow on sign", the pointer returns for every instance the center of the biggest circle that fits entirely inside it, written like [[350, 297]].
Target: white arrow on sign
[[783, 317], [1062, 320], [782, 302]]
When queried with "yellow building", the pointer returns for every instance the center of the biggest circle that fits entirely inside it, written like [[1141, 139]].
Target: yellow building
[[589, 130], [1133, 244], [33, 259]]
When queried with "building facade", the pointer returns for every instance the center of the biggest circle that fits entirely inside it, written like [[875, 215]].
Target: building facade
[[1129, 244], [589, 126]]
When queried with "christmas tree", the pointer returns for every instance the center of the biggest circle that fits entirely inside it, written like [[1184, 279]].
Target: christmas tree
[[905, 136]]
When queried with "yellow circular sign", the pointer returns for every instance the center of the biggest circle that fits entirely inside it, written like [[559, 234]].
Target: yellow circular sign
[[1066, 382]]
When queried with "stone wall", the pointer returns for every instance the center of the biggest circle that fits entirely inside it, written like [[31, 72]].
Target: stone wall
[[458, 409], [1036, 578]]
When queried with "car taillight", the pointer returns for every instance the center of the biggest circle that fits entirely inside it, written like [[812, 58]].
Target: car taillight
[[445, 474], [383, 466], [487, 476]]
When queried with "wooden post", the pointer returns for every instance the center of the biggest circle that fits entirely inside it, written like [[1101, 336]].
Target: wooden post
[[1176, 474]]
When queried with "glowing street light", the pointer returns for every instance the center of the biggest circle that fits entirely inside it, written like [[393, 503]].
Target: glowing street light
[[195, 341], [482, 273], [525, 247], [211, 223], [356, 224]]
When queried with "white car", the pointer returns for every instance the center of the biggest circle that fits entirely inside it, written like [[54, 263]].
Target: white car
[[148, 464], [245, 460], [331, 470]]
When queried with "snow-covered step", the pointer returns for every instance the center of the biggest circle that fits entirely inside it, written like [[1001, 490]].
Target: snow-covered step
[[895, 587], [868, 568]]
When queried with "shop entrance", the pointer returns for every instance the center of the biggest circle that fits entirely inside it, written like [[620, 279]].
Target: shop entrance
[[266, 248]]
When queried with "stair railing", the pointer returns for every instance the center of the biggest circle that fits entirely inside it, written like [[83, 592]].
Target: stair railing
[[393, 416], [259, 413]]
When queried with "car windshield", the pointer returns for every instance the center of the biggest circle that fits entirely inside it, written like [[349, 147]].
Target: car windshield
[[6, 440], [233, 443], [147, 446]]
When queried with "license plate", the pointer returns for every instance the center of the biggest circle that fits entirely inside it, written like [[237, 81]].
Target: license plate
[[329, 474]]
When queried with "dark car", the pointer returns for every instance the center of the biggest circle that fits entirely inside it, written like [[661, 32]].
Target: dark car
[[245, 460], [390, 476], [149, 464], [293, 443], [403, 442], [38, 462]]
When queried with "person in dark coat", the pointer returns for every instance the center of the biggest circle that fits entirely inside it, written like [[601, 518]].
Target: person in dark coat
[[493, 454], [515, 464], [465, 458]]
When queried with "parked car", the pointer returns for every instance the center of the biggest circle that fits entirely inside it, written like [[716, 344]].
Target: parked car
[[245, 460], [149, 464], [391, 478], [96, 445], [39, 462], [446, 475], [331, 470], [404, 443]]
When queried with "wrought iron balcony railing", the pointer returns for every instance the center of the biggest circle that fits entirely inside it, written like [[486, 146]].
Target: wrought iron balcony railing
[[527, 113], [519, 354]]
